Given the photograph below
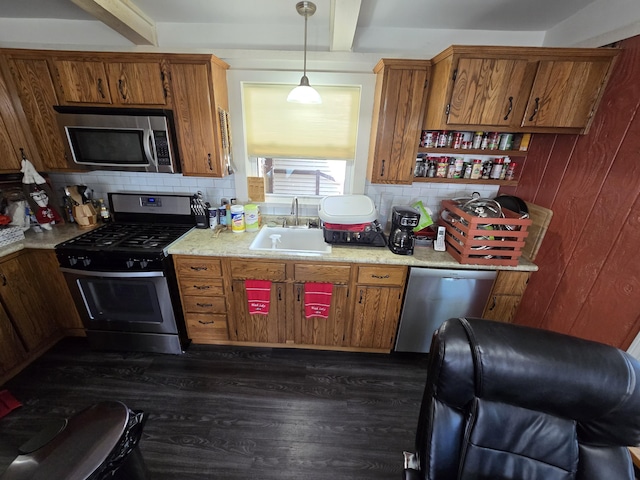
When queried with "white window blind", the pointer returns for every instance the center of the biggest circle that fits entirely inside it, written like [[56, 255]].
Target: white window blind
[[276, 128]]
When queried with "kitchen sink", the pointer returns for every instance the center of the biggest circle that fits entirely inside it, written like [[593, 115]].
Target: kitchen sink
[[291, 240]]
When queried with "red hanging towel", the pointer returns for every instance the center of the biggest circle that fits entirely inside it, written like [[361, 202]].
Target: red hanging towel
[[317, 299], [7, 403], [258, 296]]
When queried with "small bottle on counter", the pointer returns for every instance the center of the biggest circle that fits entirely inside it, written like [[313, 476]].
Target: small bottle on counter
[[105, 214]]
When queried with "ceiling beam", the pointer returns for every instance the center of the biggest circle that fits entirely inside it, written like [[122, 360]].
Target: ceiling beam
[[124, 17], [344, 20]]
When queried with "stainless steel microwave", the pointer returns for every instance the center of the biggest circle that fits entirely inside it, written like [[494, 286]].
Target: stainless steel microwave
[[132, 140]]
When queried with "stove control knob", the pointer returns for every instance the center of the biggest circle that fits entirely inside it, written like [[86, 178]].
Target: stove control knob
[[129, 263], [86, 261], [72, 261], [143, 264]]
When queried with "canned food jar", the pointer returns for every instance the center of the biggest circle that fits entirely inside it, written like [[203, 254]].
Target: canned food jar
[[506, 141], [477, 140], [476, 169], [237, 219], [443, 166]]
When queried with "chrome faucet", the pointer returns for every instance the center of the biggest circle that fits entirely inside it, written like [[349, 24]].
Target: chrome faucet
[[294, 210]]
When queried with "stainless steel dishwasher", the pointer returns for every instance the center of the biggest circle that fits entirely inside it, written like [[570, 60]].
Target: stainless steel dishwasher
[[435, 295]]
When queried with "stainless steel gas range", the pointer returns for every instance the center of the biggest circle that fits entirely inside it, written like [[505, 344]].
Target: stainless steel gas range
[[121, 278]]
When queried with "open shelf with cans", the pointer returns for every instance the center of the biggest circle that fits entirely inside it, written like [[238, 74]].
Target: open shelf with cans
[[450, 157]]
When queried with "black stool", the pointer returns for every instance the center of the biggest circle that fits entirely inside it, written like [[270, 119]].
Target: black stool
[[99, 442]]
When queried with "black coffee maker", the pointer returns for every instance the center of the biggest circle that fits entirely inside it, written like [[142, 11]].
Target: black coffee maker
[[401, 237]]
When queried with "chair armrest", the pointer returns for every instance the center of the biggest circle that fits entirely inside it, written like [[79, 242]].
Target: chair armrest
[[412, 474]]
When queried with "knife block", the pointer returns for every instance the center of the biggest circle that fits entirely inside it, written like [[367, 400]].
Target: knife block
[[85, 215]]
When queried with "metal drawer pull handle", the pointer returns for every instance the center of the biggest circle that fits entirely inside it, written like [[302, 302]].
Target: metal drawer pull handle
[[100, 90], [206, 323], [493, 305], [202, 287], [380, 276], [535, 110], [198, 269], [506, 117], [204, 304]]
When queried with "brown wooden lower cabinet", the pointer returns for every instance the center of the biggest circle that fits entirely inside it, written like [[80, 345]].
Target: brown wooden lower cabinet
[[270, 328], [332, 331], [375, 318], [505, 295], [36, 308], [366, 302], [12, 351]]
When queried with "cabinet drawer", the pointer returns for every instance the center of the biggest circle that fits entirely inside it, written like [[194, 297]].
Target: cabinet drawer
[[389, 275], [247, 269], [336, 274], [203, 328], [510, 283], [201, 286], [202, 304], [200, 266]]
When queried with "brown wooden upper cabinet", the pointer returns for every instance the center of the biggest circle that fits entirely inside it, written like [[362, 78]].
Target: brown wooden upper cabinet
[[537, 89], [201, 110], [135, 81], [15, 139], [397, 118], [34, 85]]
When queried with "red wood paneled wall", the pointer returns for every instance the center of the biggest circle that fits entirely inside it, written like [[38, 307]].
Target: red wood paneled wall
[[588, 284]]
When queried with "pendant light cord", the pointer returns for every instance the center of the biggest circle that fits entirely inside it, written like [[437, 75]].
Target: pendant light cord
[[306, 16]]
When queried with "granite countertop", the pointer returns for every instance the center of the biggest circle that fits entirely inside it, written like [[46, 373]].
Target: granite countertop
[[206, 242], [47, 239]]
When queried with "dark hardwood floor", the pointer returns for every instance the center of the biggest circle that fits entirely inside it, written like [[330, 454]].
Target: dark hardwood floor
[[236, 413]]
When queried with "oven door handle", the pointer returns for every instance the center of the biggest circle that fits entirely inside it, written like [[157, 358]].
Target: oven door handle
[[84, 273]]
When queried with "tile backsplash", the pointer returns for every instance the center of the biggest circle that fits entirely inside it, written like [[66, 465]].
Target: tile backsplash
[[213, 189]]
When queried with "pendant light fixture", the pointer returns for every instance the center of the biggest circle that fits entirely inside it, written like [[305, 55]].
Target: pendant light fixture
[[304, 93]]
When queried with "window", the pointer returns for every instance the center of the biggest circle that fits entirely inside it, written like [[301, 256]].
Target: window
[[309, 178], [305, 150]]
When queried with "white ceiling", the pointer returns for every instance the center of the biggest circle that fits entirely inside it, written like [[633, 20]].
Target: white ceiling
[[415, 28]]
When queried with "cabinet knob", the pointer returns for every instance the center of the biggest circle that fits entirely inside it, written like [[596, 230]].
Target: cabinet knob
[[204, 304], [206, 323], [209, 161], [4, 279], [382, 169], [198, 269], [202, 287]]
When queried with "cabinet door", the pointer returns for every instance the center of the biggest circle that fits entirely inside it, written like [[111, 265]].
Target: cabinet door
[[11, 135], [331, 331], [83, 81], [487, 91], [24, 301], [564, 93], [269, 328], [398, 112], [12, 351], [140, 83], [37, 96], [376, 315], [194, 109], [505, 296], [42, 266]]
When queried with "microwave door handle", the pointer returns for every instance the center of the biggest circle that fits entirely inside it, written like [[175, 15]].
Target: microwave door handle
[[148, 148]]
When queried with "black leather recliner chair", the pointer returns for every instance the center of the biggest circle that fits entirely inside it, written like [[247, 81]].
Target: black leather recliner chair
[[509, 402]]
